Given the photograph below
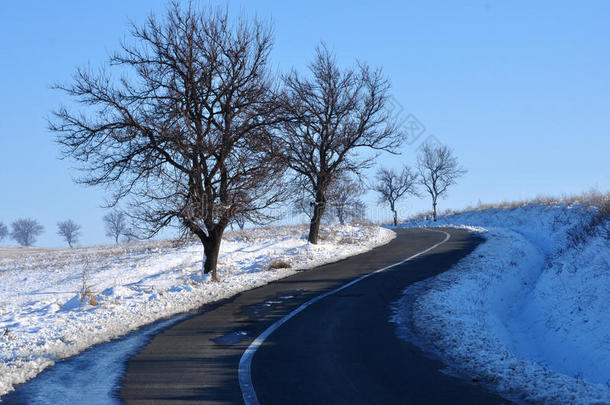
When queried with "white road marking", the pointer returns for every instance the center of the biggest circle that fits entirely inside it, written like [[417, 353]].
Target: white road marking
[[245, 363]]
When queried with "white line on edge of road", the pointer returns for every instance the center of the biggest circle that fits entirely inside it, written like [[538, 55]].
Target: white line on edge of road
[[245, 362]]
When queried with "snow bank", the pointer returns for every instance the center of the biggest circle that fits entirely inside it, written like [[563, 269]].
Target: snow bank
[[527, 311], [43, 316]]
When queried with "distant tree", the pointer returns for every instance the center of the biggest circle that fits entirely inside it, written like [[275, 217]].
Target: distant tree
[[25, 230], [185, 133], [69, 230], [344, 199], [3, 231], [302, 205], [438, 170], [393, 186], [240, 220], [332, 115], [130, 235], [115, 223]]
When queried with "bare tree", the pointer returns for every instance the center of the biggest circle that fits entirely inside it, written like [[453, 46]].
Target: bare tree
[[130, 235], [25, 231], [186, 134], [116, 226], [344, 199], [3, 231], [332, 115], [240, 220], [303, 203], [393, 186], [69, 230], [438, 169], [342, 202]]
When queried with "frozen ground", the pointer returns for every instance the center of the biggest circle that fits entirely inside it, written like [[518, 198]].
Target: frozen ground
[[528, 311], [44, 316]]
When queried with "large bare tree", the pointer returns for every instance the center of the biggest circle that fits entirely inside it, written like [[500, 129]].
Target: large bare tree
[[333, 114], [438, 170], [185, 134], [393, 186]]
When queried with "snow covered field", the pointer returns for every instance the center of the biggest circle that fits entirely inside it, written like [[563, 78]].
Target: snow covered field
[[44, 316], [528, 312]]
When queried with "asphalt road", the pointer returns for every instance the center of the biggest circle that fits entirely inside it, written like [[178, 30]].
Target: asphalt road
[[340, 350]]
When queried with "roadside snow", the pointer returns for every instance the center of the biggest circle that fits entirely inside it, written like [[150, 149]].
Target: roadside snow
[[43, 317], [527, 311]]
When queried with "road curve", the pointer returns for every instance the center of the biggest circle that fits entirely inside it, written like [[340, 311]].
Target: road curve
[[340, 349], [245, 363]]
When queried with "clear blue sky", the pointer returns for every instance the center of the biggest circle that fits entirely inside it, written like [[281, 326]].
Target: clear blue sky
[[519, 89]]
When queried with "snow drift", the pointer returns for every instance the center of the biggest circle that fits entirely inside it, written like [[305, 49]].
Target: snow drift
[[528, 311]]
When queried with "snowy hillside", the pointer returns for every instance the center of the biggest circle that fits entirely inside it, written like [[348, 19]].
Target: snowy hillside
[[44, 315], [528, 311]]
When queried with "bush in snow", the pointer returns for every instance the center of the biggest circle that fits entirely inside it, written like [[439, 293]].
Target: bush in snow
[[278, 264]]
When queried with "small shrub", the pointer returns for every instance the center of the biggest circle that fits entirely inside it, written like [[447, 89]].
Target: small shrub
[[604, 211], [89, 297], [86, 293], [597, 225], [278, 264], [7, 335]]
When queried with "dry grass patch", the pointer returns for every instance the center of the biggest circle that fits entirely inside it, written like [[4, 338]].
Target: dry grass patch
[[89, 297], [592, 198], [278, 264]]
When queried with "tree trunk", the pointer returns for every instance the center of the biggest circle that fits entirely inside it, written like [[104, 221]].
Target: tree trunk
[[211, 248], [434, 211], [395, 218], [316, 218]]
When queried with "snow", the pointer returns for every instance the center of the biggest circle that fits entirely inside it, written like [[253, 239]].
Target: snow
[[527, 311], [93, 376], [44, 317]]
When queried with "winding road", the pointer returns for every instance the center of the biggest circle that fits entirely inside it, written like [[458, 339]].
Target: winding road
[[309, 338]]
